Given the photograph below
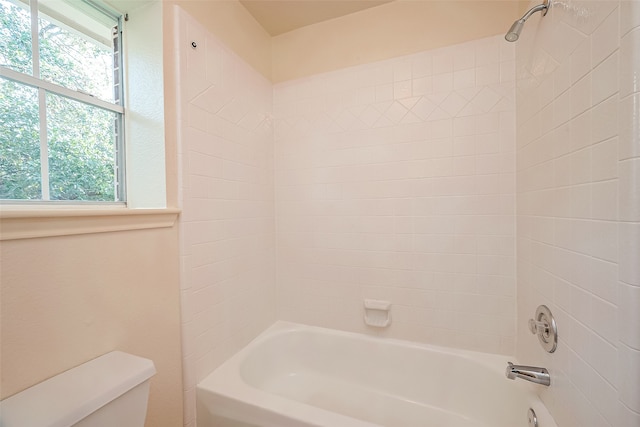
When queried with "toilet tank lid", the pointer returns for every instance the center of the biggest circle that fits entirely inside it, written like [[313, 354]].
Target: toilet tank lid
[[65, 399]]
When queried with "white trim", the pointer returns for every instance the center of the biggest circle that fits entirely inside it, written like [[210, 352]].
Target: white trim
[[21, 223], [35, 38], [68, 17], [59, 90], [44, 146]]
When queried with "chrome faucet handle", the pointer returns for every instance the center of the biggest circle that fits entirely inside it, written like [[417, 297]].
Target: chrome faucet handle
[[538, 327], [544, 326]]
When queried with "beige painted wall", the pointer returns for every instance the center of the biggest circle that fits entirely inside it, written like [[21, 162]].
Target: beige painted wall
[[66, 300], [394, 29], [390, 30]]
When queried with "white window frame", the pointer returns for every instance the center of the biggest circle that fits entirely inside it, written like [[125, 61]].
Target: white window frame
[[44, 86], [147, 180]]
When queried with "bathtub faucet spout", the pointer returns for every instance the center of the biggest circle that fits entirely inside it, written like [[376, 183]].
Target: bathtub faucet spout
[[529, 373]]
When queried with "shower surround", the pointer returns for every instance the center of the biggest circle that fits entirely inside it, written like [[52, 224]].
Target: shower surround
[[227, 242], [578, 206], [397, 180]]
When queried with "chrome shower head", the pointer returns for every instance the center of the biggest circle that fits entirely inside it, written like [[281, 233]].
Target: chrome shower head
[[514, 32]]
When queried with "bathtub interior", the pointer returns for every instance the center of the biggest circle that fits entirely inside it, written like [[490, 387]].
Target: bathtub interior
[[378, 382], [381, 382]]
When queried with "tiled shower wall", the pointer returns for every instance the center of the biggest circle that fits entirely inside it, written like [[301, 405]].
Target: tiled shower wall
[[395, 181], [578, 206], [227, 241]]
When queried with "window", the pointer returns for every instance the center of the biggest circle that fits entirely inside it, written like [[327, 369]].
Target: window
[[61, 101]]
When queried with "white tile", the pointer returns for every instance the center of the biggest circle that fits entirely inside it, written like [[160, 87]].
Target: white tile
[[629, 125], [507, 50], [605, 241], [604, 198], [423, 108], [464, 78], [507, 71], [605, 399], [581, 96], [368, 168], [629, 315], [384, 92], [561, 110], [422, 85], [464, 58], [545, 93], [605, 39], [562, 78], [597, 13], [604, 120], [196, 64], [442, 62], [396, 112], [627, 417], [629, 16], [605, 321], [630, 63], [580, 164], [225, 145], [579, 371], [486, 99], [605, 80], [581, 306], [422, 66], [562, 169], [629, 387], [402, 89], [581, 61], [580, 201], [629, 189], [580, 134], [401, 70], [570, 39], [487, 51], [383, 73], [604, 280], [442, 82], [629, 236], [604, 160], [453, 103], [601, 353]]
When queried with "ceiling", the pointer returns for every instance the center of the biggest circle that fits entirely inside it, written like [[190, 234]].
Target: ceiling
[[281, 16]]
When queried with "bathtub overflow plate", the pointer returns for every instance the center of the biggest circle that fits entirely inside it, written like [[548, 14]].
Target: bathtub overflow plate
[[533, 419]]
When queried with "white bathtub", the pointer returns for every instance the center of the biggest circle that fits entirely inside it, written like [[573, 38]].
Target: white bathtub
[[298, 376]]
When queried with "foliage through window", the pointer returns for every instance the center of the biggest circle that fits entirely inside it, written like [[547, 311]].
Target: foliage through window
[[61, 113]]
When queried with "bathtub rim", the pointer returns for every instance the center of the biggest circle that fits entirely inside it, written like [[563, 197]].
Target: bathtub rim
[[228, 390]]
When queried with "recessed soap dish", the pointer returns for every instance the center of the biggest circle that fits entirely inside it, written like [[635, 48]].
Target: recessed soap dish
[[377, 313]]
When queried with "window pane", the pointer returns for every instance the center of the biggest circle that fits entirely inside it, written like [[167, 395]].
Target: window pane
[[82, 150], [19, 141], [15, 36], [75, 50]]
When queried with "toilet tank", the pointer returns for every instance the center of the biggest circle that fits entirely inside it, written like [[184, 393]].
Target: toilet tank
[[109, 391]]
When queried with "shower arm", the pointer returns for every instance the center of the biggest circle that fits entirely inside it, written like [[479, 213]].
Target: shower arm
[[544, 7], [514, 32]]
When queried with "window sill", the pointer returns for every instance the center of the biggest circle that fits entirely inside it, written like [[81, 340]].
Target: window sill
[[20, 223]]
